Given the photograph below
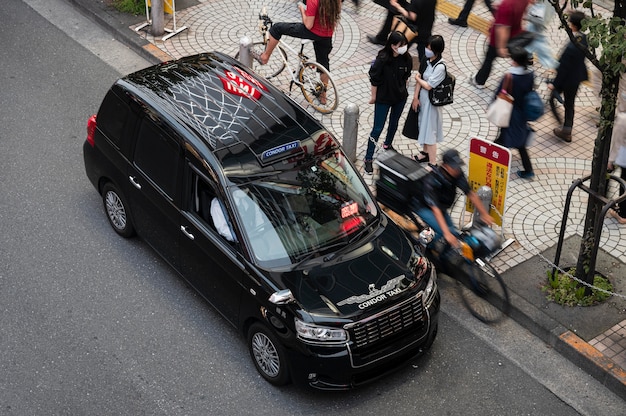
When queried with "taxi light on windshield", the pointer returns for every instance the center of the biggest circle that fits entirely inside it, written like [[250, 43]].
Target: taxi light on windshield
[[351, 224], [349, 210]]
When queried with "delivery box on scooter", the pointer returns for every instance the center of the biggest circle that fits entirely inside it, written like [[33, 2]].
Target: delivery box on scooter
[[399, 180]]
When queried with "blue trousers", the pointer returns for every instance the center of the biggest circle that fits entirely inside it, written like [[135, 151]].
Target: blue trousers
[[380, 116], [426, 214]]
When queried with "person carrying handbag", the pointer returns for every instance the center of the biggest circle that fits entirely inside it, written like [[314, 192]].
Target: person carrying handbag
[[517, 133], [388, 78], [430, 118]]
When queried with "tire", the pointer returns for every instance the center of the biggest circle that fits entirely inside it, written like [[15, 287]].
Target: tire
[[268, 355], [276, 64], [117, 212], [312, 87], [483, 292]]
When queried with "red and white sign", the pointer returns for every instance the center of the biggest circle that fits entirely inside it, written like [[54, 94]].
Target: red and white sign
[[489, 164], [242, 84]]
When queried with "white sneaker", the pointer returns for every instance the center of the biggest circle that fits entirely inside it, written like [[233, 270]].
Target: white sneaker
[[472, 81]]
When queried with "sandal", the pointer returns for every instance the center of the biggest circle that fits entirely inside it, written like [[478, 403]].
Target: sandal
[[322, 96], [618, 217], [424, 158]]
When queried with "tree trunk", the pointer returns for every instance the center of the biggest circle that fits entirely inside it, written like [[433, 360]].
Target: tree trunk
[[585, 267]]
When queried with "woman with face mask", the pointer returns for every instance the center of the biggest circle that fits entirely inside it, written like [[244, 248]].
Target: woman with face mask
[[430, 120], [389, 75]]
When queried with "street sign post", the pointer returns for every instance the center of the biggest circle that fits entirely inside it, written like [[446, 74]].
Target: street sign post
[[489, 164]]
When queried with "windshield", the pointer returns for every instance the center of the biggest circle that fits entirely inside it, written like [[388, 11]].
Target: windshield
[[299, 212]]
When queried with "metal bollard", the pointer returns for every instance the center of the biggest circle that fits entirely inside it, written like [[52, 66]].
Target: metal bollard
[[244, 51], [485, 194], [350, 130]]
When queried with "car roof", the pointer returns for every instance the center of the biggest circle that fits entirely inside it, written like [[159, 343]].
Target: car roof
[[240, 116]]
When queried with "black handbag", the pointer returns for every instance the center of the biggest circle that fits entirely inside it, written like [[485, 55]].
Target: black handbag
[[411, 127], [521, 40], [443, 94]]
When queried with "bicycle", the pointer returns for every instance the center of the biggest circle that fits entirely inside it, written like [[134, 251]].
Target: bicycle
[[481, 287], [322, 97]]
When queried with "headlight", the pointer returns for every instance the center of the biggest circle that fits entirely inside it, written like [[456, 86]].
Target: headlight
[[431, 288], [316, 333]]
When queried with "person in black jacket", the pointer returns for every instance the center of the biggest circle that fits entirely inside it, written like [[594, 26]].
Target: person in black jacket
[[381, 37], [571, 72], [421, 14], [389, 75]]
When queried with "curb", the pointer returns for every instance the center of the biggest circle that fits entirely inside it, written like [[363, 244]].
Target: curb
[[106, 21], [569, 345]]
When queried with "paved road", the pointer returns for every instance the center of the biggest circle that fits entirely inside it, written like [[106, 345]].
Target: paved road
[[94, 324]]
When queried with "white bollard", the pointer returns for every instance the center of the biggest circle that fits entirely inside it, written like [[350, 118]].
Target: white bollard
[[245, 57]]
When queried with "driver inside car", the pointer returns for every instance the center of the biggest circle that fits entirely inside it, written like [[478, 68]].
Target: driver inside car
[[221, 222]]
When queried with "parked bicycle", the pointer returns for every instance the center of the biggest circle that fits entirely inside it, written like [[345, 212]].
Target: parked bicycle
[[481, 287], [322, 97]]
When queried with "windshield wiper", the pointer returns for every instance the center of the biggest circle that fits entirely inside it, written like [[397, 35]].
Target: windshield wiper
[[342, 243], [318, 252], [348, 245]]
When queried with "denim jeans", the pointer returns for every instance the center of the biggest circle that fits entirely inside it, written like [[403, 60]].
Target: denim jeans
[[427, 215], [380, 116]]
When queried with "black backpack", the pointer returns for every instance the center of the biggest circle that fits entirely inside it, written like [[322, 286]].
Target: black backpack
[[443, 94]]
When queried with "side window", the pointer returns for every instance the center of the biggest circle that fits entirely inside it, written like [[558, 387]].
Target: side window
[[209, 208], [157, 155], [112, 118]]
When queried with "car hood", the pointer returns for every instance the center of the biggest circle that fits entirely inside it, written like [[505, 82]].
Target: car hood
[[367, 278]]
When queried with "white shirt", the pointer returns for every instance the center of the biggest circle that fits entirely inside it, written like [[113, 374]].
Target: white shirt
[[219, 220]]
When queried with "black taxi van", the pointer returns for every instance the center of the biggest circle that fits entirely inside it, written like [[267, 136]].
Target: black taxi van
[[253, 202]]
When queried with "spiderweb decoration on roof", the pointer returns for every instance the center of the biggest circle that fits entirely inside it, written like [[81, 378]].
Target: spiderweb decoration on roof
[[205, 105]]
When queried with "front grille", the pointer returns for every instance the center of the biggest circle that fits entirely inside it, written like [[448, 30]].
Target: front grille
[[409, 315]]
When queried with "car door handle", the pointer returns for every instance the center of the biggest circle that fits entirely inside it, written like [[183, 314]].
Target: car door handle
[[186, 232], [133, 180]]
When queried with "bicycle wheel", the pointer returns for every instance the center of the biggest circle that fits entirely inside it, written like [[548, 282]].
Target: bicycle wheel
[[274, 66], [323, 98], [483, 291]]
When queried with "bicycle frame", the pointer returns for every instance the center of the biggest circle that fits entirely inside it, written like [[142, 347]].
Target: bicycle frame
[[313, 79], [302, 60]]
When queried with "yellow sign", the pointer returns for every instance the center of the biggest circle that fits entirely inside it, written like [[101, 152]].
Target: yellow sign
[[489, 164], [168, 6]]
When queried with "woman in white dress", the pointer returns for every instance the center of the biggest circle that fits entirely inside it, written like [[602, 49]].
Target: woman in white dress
[[431, 74]]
